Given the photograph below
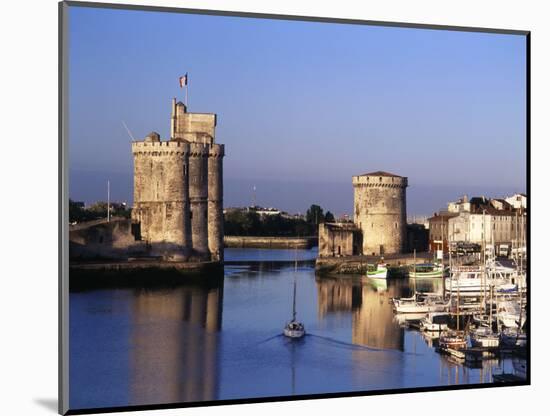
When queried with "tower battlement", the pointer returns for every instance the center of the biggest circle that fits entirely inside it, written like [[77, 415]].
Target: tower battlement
[[380, 181], [217, 150], [160, 146], [172, 146]]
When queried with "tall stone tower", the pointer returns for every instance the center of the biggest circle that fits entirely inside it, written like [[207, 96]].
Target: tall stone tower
[[380, 211], [178, 189]]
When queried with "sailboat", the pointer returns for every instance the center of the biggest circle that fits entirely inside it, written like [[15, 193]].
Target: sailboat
[[294, 328], [453, 340], [483, 336], [419, 303]]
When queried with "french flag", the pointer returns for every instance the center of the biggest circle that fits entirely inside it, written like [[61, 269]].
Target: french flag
[[183, 81]]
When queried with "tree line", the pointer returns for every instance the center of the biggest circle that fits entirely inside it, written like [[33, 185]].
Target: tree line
[[237, 222], [79, 213], [250, 223]]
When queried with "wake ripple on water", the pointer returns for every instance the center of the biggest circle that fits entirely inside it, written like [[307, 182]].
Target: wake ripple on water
[[338, 343]]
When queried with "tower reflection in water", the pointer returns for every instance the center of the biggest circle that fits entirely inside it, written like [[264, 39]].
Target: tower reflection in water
[[368, 302], [174, 344]]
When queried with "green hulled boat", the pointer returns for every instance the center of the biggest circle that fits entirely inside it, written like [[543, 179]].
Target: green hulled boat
[[377, 271], [427, 270]]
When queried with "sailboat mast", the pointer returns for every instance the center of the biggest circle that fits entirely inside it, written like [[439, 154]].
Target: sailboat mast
[[294, 294], [491, 308], [458, 306], [520, 278], [414, 262], [482, 304], [294, 301]]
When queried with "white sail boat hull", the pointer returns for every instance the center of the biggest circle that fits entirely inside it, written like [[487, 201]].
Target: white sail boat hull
[[294, 333]]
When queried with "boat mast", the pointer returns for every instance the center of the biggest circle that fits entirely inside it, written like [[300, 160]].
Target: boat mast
[[450, 269], [294, 301], [294, 294], [520, 280], [484, 270], [414, 263], [491, 308], [458, 306], [457, 301]]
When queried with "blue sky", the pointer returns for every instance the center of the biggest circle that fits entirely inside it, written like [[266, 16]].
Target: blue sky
[[301, 106]]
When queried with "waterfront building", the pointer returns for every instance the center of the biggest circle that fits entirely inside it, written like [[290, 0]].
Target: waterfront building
[[462, 205], [417, 237], [488, 226], [178, 189], [340, 239], [517, 201], [501, 204], [470, 227], [439, 230], [479, 220]]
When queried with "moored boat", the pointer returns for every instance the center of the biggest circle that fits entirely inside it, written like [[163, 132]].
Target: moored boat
[[435, 322], [472, 280], [484, 337], [377, 271], [509, 314], [427, 270], [419, 304], [511, 337], [452, 340]]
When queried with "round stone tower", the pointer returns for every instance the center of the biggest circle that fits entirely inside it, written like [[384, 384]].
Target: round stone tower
[[380, 211]]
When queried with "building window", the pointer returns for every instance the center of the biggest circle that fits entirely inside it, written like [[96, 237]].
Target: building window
[[190, 215]]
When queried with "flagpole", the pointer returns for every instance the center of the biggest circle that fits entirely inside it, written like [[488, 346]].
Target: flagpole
[[187, 90], [108, 200]]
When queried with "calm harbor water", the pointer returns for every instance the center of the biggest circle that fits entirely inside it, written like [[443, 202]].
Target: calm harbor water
[[133, 346]]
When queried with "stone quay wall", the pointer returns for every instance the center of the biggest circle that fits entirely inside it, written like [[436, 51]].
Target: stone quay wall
[[269, 242]]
